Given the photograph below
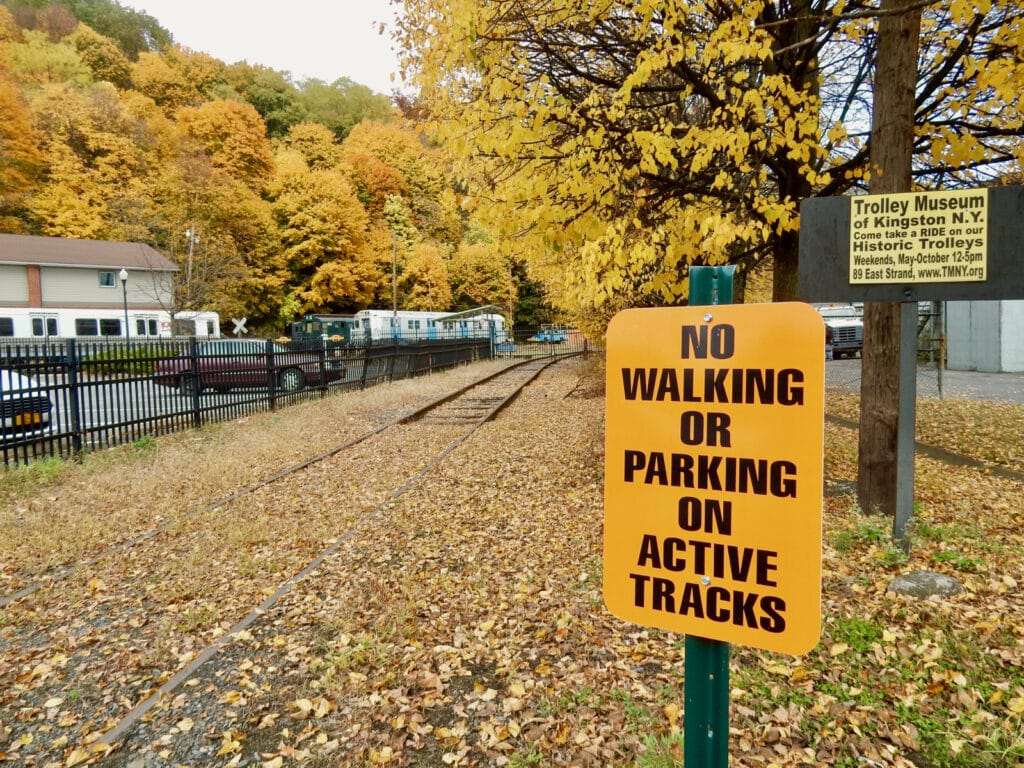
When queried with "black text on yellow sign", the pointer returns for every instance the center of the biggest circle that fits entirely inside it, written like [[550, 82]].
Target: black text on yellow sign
[[713, 472]]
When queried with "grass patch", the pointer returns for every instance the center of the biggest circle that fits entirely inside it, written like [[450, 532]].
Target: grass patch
[[957, 560], [862, 531], [661, 751], [531, 759]]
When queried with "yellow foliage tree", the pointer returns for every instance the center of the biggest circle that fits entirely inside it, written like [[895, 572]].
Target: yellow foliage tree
[[324, 234], [155, 76], [316, 143], [425, 284], [19, 148], [95, 166], [479, 275], [102, 56], [233, 135], [620, 142], [420, 178], [37, 61]]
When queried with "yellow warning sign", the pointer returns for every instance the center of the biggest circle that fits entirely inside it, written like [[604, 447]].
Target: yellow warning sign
[[713, 472]]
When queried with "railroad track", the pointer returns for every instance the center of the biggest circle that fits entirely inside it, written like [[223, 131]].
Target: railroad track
[[69, 622], [62, 616]]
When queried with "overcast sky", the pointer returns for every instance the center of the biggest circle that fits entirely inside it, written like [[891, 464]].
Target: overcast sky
[[325, 39]]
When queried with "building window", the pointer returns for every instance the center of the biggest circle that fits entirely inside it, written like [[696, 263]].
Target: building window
[[6, 326], [108, 280]]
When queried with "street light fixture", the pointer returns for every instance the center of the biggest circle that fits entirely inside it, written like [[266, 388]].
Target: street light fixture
[[123, 276]]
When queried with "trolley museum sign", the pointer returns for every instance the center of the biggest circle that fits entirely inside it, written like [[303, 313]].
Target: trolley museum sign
[[713, 473], [961, 244], [919, 238]]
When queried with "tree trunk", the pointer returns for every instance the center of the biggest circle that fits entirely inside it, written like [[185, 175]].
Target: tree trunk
[[892, 134], [785, 274]]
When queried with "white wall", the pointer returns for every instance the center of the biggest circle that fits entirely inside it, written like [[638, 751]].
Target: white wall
[[1012, 335], [80, 287], [13, 285], [985, 336]]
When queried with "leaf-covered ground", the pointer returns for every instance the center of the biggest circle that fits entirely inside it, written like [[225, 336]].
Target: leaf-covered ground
[[462, 623]]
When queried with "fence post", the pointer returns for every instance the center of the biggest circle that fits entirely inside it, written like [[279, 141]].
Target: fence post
[[392, 360], [366, 361], [271, 378], [74, 403], [322, 360], [193, 354]]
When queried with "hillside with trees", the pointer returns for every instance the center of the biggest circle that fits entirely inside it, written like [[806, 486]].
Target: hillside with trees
[[276, 198]]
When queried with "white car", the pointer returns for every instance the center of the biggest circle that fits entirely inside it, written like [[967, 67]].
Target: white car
[[25, 407]]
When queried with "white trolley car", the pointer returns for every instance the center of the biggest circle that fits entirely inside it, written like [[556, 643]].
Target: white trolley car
[[40, 323], [404, 325]]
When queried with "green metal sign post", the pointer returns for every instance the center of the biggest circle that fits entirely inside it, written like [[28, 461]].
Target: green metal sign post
[[706, 682]]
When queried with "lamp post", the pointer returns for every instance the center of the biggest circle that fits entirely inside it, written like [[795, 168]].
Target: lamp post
[[394, 284], [123, 275]]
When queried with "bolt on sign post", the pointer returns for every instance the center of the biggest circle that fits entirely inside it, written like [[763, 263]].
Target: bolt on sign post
[[713, 485]]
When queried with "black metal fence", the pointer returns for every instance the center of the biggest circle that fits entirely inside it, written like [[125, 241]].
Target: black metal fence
[[64, 396]]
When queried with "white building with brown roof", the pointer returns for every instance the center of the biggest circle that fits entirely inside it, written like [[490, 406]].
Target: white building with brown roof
[[55, 286], [57, 272]]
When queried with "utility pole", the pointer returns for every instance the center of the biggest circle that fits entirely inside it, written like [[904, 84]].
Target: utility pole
[[890, 328], [193, 238]]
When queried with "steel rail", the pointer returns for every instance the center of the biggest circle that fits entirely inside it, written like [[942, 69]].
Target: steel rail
[[115, 733], [54, 576]]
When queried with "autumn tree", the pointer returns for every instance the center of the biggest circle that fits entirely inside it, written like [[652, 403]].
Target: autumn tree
[[376, 181], [234, 137], [102, 56], [422, 181], [22, 162], [479, 276], [155, 76], [178, 77], [9, 29], [316, 143], [425, 282], [37, 61], [94, 163], [622, 142], [55, 21], [323, 232], [221, 234]]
